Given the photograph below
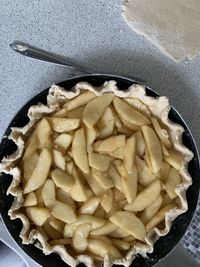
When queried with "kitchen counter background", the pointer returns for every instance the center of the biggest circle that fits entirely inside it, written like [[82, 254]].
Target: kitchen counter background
[[94, 34]]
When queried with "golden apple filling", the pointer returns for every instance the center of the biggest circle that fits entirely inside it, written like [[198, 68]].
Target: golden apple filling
[[98, 174]]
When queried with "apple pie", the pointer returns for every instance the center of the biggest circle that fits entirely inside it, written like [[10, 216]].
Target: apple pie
[[99, 174]]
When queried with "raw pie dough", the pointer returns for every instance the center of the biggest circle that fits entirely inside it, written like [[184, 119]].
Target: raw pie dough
[[171, 25], [56, 96]]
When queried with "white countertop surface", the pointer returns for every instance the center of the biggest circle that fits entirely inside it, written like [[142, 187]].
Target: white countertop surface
[[91, 33]]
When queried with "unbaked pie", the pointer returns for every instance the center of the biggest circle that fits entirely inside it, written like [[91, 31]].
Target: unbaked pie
[[99, 174]]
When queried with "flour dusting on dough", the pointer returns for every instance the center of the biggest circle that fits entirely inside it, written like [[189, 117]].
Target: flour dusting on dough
[[173, 25]]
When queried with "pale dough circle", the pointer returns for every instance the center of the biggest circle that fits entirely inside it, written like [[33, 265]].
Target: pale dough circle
[[171, 25]]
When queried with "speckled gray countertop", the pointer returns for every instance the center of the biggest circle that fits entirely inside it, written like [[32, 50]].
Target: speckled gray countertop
[[93, 34]]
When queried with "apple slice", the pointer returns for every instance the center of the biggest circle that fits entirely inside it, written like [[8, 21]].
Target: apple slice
[[154, 148], [103, 238], [95, 222], [95, 109], [145, 198], [118, 153], [129, 238], [69, 167], [129, 185], [140, 144], [124, 130], [121, 244], [90, 206], [102, 248], [31, 146], [164, 171], [119, 233], [38, 138], [43, 132], [106, 123], [162, 133], [120, 167], [38, 215], [76, 113], [151, 210], [130, 223], [78, 190], [129, 153], [59, 160], [40, 173], [62, 125], [173, 180], [110, 144], [91, 135], [63, 212], [79, 240], [52, 232], [145, 176], [62, 180], [96, 187], [30, 200], [129, 114], [49, 193], [102, 178], [118, 195], [69, 229], [88, 191], [174, 160], [38, 194], [65, 197], [138, 105], [159, 217], [79, 100], [99, 162], [164, 150], [128, 181], [57, 224], [107, 200], [29, 165], [114, 175], [63, 141], [100, 212], [106, 229], [128, 125], [62, 113], [79, 151]]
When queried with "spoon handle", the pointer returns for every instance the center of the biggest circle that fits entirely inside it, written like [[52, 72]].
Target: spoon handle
[[42, 55]]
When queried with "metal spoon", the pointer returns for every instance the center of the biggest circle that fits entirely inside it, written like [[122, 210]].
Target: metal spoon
[[36, 53]]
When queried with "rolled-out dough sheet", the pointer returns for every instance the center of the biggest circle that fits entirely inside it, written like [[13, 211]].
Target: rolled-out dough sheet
[[172, 25]]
